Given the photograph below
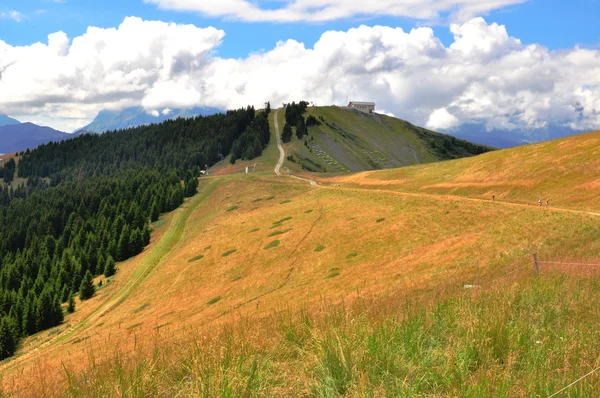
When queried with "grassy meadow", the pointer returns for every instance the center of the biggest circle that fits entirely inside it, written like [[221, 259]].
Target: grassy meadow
[[403, 282]]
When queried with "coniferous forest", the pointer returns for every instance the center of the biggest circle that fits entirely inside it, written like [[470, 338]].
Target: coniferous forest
[[88, 203]]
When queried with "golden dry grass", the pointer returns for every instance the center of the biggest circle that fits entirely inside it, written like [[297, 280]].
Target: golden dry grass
[[383, 234]]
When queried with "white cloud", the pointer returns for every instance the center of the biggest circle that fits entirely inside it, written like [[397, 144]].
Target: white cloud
[[327, 10], [484, 75], [14, 15], [166, 111], [441, 119]]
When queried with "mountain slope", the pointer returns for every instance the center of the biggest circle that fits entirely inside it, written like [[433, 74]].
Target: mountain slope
[[138, 116], [253, 249], [348, 140], [6, 120], [21, 136]]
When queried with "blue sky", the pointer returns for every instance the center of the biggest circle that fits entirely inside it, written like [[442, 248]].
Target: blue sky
[[511, 64], [556, 24]]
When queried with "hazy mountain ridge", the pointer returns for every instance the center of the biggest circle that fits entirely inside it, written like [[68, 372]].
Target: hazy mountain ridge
[[18, 137], [108, 120]]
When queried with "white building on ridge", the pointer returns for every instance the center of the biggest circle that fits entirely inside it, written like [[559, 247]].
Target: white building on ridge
[[366, 107]]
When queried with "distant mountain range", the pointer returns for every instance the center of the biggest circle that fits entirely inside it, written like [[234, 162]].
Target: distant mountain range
[[20, 136], [477, 133], [138, 116]]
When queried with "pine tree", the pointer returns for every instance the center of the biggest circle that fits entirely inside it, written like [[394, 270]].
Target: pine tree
[[286, 136], [301, 129], [109, 268], [154, 212], [8, 338], [123, 247], [87, 288], [146, 235], [71, 306]]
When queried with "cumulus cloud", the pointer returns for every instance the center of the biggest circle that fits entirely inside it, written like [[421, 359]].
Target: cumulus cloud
[[14, 15], [327, 10], [484, 75], [442, 119]]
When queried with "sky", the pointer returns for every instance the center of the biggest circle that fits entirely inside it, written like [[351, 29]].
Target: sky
[[511, 64]]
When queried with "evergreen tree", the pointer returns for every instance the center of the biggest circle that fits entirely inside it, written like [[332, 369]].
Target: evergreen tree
[[71, 306], [109, 268], [154, 212], [233, 158], [301, 129], [8, 338], [87, 288], [191, 187], [286, 135]]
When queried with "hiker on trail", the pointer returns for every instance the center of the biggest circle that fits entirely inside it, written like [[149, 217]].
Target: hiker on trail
[[493, 198], [547, 202], [540, 202]]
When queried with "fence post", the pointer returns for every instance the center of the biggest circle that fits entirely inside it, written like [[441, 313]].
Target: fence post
[[535, 262]]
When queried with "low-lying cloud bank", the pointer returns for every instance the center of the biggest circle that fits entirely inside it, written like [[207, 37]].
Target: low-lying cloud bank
[[483, 75]]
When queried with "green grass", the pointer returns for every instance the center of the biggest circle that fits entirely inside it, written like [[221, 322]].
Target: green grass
[[141, 308], [237, 278], [134, 326], [270, 198], [332, 275], [255, 230], [283, 220], [207, 248], [352, 255], [380, 219], [284, 202], [272, 244], [200, 257], [530, 338], [308, 211], [279, 232], [228, 253], [214, 300], [232, 208], [257, 200], [320, 248]]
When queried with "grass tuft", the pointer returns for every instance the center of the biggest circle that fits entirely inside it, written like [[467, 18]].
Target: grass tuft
[[284, 202], [141, 308], [332, 275], [257, 200], [279, 232], [283, 220], [232, 208], [237, 278], [272, 244], [380, 219], [351, 255], [200, 257], [254, 230], [308, 211], [270, 198], [320, 248], [214, 300], [208, 248], [228, 253]]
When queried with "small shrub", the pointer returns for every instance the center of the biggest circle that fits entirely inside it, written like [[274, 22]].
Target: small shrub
[[320, 248], [237, 278], [380, 219], [213, 301], [228, 253], [191, 260], [137, 325], [283, 220], [351, 255], [232, 208], [254, 230], [257, 200], [279, 232], [272, 244], [141, 308], [308, 211], [332, 275], [284, 202], [208, 248], [270, 198]]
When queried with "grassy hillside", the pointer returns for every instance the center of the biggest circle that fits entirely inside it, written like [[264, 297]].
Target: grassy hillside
[[263, 285], [565, 171], [348, 140]]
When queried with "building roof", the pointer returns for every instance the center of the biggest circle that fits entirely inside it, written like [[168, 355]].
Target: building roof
[[361, 103]]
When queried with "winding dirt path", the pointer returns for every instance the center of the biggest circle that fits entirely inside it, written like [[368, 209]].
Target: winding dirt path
[[281, 151]]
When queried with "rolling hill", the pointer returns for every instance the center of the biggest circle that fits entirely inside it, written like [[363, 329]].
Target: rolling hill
[[18, 137], [401, 281], [108, 120]]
